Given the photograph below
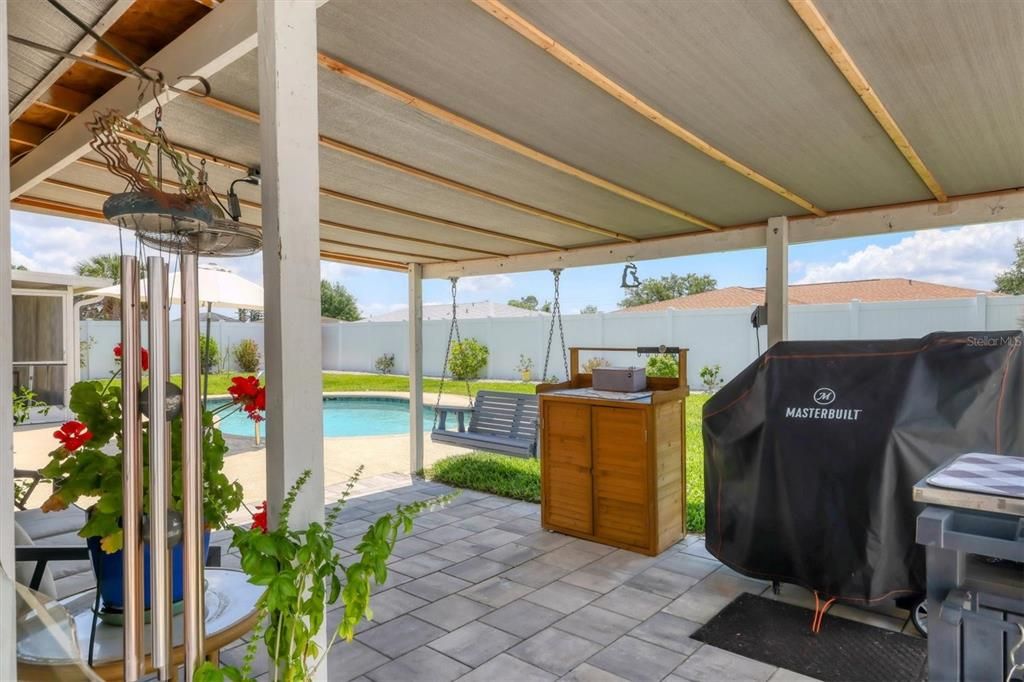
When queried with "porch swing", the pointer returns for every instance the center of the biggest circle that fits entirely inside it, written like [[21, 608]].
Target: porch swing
[[501, 422]]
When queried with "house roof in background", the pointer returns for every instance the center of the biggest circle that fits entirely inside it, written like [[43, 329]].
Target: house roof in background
[[865, 290], [467, 311], [28, 279]]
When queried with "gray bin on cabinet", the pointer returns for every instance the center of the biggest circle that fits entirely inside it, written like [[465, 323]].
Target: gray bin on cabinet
[[974, 605]]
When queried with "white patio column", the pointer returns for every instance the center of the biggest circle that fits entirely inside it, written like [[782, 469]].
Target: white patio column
[[415, 367], [777, 282], [291, 257], [8, 661]]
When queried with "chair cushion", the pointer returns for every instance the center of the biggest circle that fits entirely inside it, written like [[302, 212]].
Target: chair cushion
[[23, 570], [39, 524]]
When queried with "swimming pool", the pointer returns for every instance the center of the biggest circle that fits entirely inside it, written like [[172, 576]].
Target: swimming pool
[[344, 416]]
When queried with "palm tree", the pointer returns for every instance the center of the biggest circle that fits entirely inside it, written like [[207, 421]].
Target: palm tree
[[105, 266]]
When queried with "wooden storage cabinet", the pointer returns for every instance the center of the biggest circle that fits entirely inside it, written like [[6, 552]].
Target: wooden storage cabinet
[[614, 472]]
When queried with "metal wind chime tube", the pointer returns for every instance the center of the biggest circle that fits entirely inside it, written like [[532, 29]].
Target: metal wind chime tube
[[131, 473], [192, 465], [159, 469]]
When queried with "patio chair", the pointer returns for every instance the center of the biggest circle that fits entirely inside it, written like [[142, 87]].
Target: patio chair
[[505, 423], [23, 492]]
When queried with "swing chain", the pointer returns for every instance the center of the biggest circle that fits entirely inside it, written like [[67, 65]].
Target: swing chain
[[556, 315], [453, 334]]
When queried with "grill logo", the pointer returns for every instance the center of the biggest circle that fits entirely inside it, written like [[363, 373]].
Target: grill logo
[[824, 396]]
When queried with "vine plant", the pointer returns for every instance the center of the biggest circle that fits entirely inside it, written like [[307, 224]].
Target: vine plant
[[303, 575]]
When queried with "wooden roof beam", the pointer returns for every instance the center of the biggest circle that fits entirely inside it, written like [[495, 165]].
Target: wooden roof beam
[[323, 222], [545, 42], [407, 256], [815, 21], [473, 128], [214, 41], [28, 134], [64, 100], [363, 261], [400, 167], [115, 11]]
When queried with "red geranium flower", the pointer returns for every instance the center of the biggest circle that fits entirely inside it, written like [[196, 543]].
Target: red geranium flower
[[259, 519], [144, 357], [247, 392], [73, 435]]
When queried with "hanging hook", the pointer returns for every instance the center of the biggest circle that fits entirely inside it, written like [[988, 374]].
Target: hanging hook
[[630, 280]]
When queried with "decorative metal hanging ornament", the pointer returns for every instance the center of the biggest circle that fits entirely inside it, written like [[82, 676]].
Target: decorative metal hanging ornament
[[189, 219], [630, 280]]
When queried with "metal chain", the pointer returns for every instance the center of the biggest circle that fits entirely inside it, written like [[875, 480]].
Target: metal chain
[[453, 333], [556, 315]]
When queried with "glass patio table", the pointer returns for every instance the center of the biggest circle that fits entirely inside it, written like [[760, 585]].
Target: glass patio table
[[230, 613]]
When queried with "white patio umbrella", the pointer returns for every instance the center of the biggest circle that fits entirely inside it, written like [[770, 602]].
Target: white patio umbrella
[[218, 288]]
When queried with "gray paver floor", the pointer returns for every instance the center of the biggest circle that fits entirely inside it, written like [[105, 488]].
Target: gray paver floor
[[476, 600]]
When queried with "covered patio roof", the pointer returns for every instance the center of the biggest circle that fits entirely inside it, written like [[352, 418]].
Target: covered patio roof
[[477, 137]]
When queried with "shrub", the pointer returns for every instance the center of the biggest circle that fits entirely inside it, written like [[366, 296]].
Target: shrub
[[589, 365], [663, 366], [385, 363], [247, 355], [525, 364], [467, 359], [711, 376], [25, 400], [497, 474], [209, 353]]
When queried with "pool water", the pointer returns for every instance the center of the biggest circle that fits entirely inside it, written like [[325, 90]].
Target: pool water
[[343, 416]]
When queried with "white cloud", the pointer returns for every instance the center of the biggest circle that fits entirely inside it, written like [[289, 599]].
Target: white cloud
[[18, 258], [964, 256], [371, 309], [484, 283], [52, 244]]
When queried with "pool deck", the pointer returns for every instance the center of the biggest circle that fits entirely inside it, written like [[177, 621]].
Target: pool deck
[[245, 460]]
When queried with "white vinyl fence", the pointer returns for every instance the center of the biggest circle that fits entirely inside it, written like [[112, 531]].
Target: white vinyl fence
[[722, 336], [100, 337]]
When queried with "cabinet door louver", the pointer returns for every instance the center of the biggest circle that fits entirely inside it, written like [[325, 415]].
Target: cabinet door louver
[[620, 470], [566, 461]]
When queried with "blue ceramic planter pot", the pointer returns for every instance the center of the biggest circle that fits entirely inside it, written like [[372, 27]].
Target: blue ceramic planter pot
[[109, 569]]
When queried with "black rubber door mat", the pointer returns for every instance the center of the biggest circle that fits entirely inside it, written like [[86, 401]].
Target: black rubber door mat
[[779, 634]]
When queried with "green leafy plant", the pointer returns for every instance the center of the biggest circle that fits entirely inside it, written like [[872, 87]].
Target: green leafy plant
[[663, 366], [467, 359], [710, 375], [385, 363], [524, 367], [85, 467], [247, 355], [209, 353], [24, 401], [84, 346], [304, 575]]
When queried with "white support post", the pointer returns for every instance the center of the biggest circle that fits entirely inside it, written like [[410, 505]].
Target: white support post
[[415, 367], [855, 318], [291, 259], [777, 282], [8, 658], [981, 312]]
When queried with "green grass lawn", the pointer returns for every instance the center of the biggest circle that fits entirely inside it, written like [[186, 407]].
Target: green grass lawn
[[378, 382], [520, 478], [498, 474]]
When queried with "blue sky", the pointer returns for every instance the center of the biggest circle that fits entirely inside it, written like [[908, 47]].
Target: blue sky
[[967, 257]]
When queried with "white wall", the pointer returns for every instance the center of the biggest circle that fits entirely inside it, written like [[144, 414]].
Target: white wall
[[721, 336], [105, 335]]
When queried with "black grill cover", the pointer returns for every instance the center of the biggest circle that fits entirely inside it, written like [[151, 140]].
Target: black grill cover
[[810, 454]]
